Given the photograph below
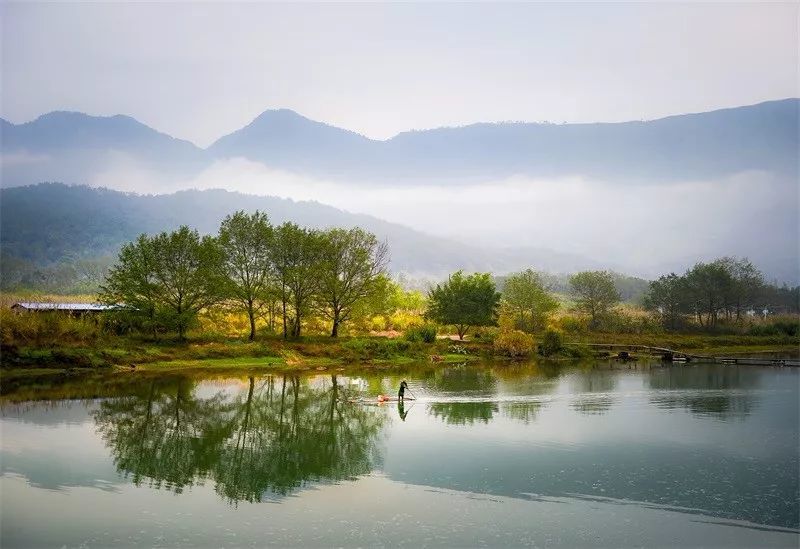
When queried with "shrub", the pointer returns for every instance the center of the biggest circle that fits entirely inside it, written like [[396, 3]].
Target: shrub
[[574, 325], [377, 323], [47, 328], [425, 333], [375, 348], [513, 344], [551, 343], [779, 326]]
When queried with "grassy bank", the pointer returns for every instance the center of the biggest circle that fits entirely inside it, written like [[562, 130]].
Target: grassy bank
[[274, 353], [267, 353], [56, 342]]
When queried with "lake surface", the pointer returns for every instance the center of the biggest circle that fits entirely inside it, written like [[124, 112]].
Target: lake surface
[[604, 454]]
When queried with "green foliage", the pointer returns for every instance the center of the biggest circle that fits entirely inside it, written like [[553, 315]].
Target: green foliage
[[714, 293], [47, 328], [551, 343], [622, 322], [375, 348], [574, 325], [246, 242], [167, 279], [295, 257], [526, 296], [513, 344], [425, 333], [595, 294], [668, 296], [70, 276], [464, 301], [351, 268], [789, 326]]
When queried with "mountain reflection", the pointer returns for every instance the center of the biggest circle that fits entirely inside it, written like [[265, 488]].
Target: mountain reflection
[[270, 439]]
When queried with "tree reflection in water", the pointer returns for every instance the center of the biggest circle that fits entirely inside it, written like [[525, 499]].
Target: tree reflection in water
[[268, 440], [463, 413], [463, 381], [717, 390], [594, 389]]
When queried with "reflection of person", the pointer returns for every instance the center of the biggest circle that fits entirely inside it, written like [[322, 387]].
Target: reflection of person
[[402, 392], [401, 409]]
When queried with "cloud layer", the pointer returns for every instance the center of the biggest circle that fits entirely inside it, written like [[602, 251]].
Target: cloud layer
[[645, 229]]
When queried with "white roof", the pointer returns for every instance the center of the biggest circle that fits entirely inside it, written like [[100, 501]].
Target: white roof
[[39, 306]]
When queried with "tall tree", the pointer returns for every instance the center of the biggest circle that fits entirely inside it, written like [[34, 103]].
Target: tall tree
[[667, 296], [188, 273], [132, 282], [708, 284], [746, 285], [464, 301], [595, 294], [295, 258], [526, 295], [351, 262], [246, 242]]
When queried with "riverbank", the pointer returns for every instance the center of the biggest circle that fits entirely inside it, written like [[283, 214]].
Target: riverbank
[[269, 352], [274, 353]]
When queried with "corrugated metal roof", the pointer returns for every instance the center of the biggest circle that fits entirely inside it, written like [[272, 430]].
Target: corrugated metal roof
[[80, 307]]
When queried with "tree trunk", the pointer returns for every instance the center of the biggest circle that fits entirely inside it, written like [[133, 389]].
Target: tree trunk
[[285, 327], [335, 329], [252, 316]]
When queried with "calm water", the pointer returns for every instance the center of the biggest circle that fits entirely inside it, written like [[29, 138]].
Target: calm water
[[599, 455]]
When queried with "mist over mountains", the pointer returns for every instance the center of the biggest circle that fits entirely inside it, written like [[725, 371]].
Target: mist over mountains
[[78, 148], [50, 222], [641, 197]]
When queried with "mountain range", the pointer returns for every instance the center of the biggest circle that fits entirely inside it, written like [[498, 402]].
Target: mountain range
[[650, 197], [79, 148], [48, 223]]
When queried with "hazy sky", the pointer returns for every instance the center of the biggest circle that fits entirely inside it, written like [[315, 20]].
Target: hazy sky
[[198, 71]]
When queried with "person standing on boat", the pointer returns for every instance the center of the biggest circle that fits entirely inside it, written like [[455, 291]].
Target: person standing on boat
[[401, 393]]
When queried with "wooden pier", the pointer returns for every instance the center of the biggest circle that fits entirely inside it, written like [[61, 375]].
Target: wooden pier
[[623, 352]]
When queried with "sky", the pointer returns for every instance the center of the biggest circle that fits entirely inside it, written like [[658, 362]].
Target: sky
[[198, 71]]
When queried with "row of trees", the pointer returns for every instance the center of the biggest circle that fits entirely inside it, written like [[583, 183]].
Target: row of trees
[[166, 280], [725, 289], [473, 300], [287, 273]]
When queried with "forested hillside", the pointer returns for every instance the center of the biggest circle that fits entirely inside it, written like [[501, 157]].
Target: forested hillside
[[45, 226]]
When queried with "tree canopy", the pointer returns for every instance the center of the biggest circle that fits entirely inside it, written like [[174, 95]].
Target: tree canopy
[[464, 301], [528, 299], [246, 241], [595, 294], [168, 278], [351, 262]]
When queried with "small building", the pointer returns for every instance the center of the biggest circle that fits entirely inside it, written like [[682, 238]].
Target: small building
[[75, 309]]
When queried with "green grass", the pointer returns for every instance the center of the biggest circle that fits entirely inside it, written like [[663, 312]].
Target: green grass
[[321, 352], [215, 363]]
